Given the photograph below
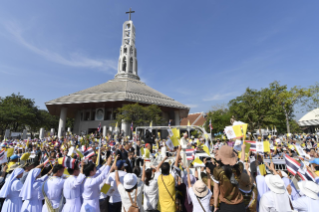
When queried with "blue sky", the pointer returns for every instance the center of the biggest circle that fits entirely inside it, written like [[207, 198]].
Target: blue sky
[[201, 53]]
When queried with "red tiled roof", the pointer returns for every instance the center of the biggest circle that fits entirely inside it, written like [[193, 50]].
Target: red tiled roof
[[197, 119]]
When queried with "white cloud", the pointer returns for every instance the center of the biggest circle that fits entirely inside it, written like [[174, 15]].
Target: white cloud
[[191, 105], [73, 60], [219, 97]]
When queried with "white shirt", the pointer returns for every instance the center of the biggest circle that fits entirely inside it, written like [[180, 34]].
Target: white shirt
[[205, 201], [126, 203], [113, 192], [268, 202], [53, 189], [72, 188], [91, 187], [305, 204], [151, 194]]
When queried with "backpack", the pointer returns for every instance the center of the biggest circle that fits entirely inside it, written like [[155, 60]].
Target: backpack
[[133, 207]]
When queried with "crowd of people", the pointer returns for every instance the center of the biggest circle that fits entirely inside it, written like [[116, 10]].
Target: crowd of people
[[92, 173]]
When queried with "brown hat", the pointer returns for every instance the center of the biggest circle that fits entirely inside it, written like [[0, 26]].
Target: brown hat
[[244, 182], [200, 189], [226, 155]]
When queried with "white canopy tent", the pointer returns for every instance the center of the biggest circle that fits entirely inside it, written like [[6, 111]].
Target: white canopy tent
[[310, 119]]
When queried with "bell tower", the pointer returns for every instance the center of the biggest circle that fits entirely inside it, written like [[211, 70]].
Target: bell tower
[[127, 65]]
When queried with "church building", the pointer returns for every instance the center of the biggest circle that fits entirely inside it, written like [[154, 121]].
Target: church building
[[99, 104]]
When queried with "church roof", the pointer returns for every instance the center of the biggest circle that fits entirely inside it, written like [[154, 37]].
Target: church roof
[[310, 119], [119, 89], [197, 119]]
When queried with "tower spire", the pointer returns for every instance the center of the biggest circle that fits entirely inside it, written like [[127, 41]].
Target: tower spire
[[130, 12], [127, 65]]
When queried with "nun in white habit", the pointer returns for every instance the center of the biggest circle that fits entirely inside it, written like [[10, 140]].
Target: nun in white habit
[[31, 191], [309, 200], [91, 186], [11, 190], [277, 199]]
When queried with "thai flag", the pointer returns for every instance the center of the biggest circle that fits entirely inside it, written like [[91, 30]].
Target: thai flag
[[89, 153], [83, 148], [99, 128], [68, 162], [47, 162], [132, 126], [2, 153], [190, 154], [293, 167], [210, 125], [252, 145]]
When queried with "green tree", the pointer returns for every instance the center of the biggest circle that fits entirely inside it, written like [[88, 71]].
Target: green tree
[[288, 99], [140, 115], [220, 118]]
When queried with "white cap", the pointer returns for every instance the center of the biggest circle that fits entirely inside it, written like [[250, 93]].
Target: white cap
[[275, 184], [309, 188], [130, 181]]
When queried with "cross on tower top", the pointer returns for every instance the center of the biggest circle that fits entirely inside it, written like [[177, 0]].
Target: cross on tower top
[[130, 12]]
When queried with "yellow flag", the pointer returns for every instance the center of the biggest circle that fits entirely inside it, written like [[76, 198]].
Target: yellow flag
[[151, 124], [266, 146], [262, 169], [25, 156], [105, 188], [247, 148], [198, 162], [116, 125], [188, 123], [175, 136], [147, 153], [10, 152], [60, 160], [79, 153], [206, 149]]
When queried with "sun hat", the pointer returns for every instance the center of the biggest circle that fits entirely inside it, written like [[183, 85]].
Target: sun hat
[[226, 155], [12, 167], [309, 188], [275, 184], [244, 182], [200, 188], [130, 181], [284, 174]]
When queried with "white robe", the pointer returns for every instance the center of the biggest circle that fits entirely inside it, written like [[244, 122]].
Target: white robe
[[271, 201], [35, 203], [183, 142], [72, 191], [53, 189], [91, 191], [13, 202], [306, 204]]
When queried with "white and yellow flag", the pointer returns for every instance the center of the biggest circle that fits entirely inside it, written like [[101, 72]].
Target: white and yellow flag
[[236, 131]]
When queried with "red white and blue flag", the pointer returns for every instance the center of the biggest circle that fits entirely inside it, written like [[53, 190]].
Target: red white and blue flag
[[252, 145], [132, 126], [68, 162], [89, 153], [48, 162], [294, 167], [190, 154], [99, 128]]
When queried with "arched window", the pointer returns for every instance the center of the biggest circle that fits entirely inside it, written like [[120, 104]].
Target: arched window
[[124, 64], [128, 26], [131, 50], [136, 66], [131, 66], [125, 50]]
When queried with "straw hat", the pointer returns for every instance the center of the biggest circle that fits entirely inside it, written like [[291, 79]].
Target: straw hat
[[309, 188], [275, 184], [244, 182], [12, 167], [200, 188], [226, 155]]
